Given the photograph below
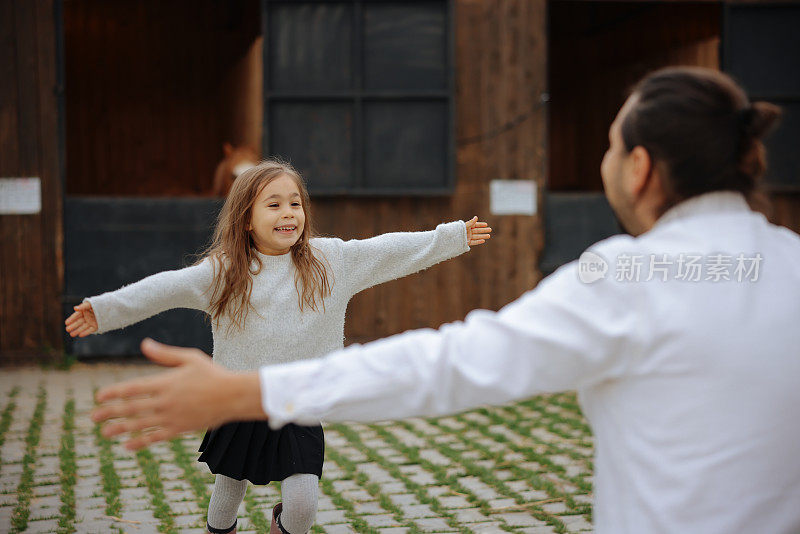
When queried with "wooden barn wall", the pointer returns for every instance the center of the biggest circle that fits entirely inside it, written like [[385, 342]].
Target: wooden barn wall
[[599, 50], [500, 130], [149, 99], [785, 210], [31, 265]]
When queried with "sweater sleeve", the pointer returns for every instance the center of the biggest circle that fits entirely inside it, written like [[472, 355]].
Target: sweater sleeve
[[182, 288], [373, 261]]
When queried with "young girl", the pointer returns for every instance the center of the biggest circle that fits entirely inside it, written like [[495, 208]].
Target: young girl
[[274, 295]]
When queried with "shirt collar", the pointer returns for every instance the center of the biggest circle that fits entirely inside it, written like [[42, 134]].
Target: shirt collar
[[705, 204]]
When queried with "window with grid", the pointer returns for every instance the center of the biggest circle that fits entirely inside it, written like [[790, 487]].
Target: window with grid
[[359, 94]]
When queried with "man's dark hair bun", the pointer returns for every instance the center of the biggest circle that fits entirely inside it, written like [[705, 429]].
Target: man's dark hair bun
[[759, 118]]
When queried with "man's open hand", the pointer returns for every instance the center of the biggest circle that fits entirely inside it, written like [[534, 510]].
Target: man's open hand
[[194, 395]]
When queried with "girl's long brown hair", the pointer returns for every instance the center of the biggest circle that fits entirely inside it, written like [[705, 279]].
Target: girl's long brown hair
[[232, 250]]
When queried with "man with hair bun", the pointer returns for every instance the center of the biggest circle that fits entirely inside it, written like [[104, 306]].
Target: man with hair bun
[[680, 338]]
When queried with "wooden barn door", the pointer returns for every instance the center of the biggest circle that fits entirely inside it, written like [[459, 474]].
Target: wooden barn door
[[153, 91], [598, 50], [761, 49]]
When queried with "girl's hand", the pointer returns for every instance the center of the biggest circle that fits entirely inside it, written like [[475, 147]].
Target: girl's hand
[[82, 322], [477, 232]]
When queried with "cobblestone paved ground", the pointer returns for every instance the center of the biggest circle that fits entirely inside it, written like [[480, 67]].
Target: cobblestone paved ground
[[523, 468]]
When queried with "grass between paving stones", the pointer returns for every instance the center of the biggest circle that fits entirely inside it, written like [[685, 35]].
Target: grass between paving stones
[[358, 524], [373, 489], [510, 417], [485, 475], [152, 475], [197, 481], [555, 420], [6, 418], [566, 401], [525, 424], [256, 513], [533, 478], [66, 454], [530, 454], [563, 419], [111, 481], [438, 472], [260, 515], [442, 477], [19, 518]]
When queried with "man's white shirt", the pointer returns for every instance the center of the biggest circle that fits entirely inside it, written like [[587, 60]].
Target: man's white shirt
[[690, 381]]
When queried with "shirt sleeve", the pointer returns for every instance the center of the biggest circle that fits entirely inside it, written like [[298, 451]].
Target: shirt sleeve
[[561, 336], [183, 288], [369, 262]]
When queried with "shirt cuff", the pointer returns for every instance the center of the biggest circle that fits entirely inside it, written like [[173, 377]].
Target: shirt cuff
[[281, 388]]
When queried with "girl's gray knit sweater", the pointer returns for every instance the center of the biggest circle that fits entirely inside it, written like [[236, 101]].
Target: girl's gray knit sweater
[[275, 330]]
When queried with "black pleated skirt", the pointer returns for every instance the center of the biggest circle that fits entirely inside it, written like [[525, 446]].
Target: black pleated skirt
[[252, 450]]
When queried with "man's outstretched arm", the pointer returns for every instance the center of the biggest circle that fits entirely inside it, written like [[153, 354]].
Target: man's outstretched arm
[[563, 335]]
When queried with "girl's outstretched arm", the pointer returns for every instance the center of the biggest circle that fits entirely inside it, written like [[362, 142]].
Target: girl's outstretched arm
[[182, 288], [369, 262]]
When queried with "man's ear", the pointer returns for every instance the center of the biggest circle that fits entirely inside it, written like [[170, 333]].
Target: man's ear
[[641, 170]]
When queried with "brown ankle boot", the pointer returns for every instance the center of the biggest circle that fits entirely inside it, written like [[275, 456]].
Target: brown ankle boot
[[274, 528]]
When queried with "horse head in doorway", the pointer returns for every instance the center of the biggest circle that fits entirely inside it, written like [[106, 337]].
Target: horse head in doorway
[[236, 161]]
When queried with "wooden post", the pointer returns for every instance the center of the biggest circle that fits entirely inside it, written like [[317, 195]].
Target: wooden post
[[31, 266]]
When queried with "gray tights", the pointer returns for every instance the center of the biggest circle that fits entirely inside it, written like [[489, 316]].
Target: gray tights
[[298, 492]]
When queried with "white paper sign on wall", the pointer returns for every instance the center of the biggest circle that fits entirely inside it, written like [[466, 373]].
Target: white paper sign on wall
[[513, 197], [20, 196]]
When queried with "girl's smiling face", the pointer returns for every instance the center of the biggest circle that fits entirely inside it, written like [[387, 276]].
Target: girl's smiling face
[[277, 217]]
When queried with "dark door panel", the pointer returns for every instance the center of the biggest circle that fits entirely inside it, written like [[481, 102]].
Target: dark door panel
[[111, 242]]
